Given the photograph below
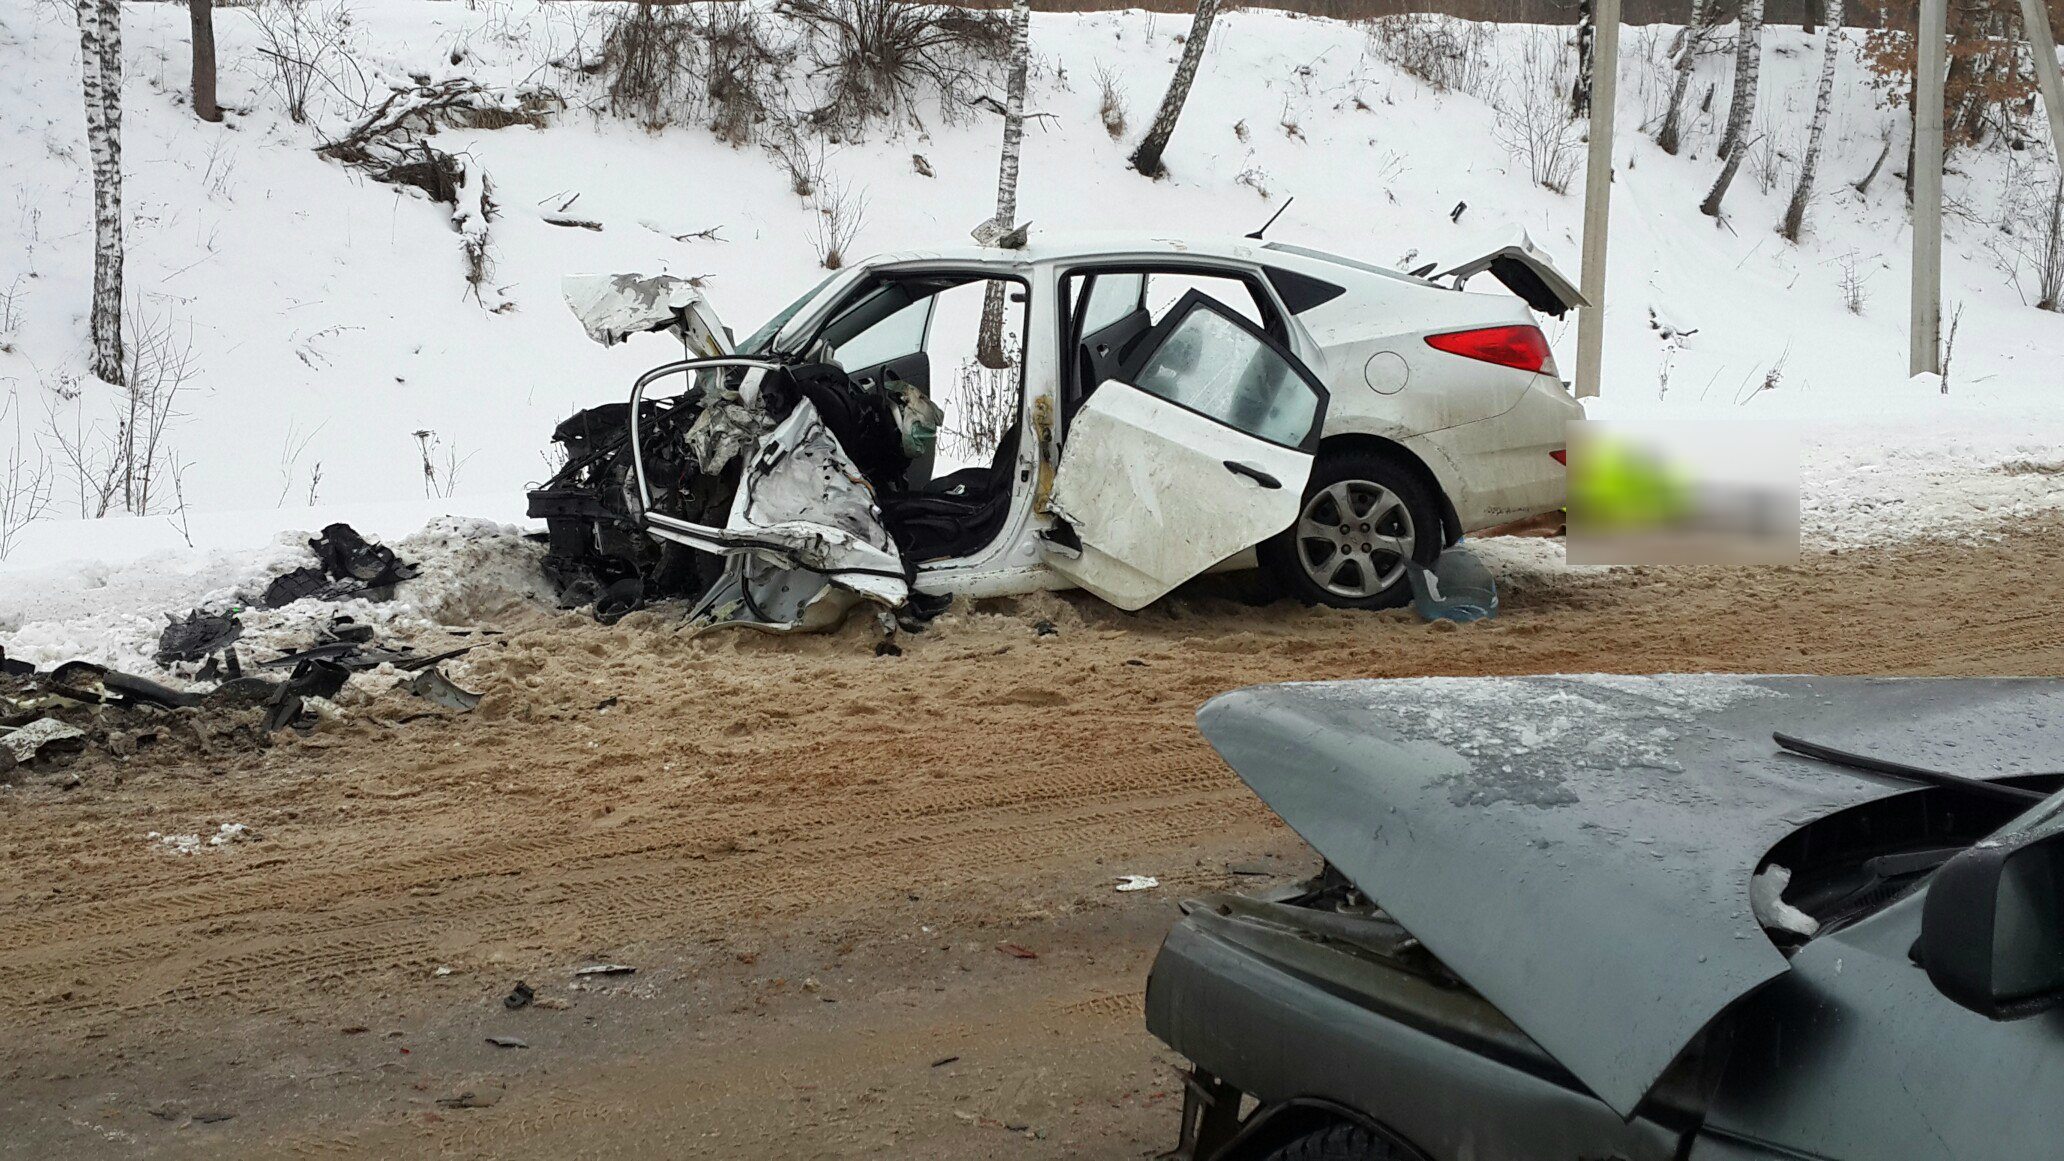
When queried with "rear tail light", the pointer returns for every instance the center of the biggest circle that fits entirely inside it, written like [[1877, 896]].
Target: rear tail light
[[1561, 456], [1523, 347]]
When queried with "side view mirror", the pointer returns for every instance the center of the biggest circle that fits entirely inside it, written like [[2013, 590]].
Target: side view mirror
[[1992, 927]]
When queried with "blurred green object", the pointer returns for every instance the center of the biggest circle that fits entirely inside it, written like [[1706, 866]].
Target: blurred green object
[[1616, 485]]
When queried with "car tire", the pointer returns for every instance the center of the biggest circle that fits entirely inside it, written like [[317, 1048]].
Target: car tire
[[1321, 559], [1339, 1142]]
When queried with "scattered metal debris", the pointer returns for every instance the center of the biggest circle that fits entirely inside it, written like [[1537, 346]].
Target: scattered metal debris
[[519, 996], [605, 969], [433, 685], [200, 636], [507, 1042], [943, 1061], [349, 566], [24, 743], [1137, 882]]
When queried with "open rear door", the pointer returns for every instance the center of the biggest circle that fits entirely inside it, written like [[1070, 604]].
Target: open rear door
[[1199, 447]]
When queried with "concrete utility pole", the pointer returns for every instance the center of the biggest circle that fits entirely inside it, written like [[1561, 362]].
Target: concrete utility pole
[[1605, 72], [1924, 326], [2043, 47]]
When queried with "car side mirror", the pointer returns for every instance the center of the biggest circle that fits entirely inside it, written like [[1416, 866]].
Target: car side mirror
[[1992, 927]]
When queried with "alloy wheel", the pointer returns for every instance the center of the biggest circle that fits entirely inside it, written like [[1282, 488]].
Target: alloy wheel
[[1354, 538]]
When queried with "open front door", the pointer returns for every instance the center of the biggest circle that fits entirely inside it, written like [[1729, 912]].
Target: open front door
[[1199, 447]]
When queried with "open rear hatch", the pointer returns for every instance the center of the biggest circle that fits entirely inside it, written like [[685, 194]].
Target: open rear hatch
[[1526, 272]]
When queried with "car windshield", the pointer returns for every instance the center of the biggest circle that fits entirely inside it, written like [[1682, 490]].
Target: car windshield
[[756, 342]]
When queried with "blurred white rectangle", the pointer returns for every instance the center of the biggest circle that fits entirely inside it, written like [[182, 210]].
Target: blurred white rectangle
[[1683, 492]]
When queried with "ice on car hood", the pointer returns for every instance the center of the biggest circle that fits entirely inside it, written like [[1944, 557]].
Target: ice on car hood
[[1580, 849]]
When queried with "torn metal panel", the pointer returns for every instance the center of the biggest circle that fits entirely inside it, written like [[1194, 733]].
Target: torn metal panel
[[613, 307], [432, 685], [727, 428], [810, 529], [25, 742]]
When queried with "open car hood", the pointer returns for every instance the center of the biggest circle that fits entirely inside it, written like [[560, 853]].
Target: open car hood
[[1579, 849], [613, 307], [1526, 272]]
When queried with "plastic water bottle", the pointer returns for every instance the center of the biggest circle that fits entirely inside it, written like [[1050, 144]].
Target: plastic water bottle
[[1458, 587]]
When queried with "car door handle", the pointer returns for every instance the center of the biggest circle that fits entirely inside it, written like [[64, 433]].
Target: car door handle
[[1252, 473]]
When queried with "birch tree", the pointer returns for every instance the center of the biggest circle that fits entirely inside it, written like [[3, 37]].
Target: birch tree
[[201, 16], [1147, 157], [1795, 213], [1688, 46], [1748, 64], [1711, 206], [989, 344], [100, 77], [1587, 37]]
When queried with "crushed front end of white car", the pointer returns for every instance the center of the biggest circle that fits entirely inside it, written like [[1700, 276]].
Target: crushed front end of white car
[[736, 492]]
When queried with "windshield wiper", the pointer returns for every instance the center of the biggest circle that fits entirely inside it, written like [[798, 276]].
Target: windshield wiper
[[1919, 774]]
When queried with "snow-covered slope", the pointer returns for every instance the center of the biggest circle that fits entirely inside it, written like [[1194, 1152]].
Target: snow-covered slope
[[329, 320]]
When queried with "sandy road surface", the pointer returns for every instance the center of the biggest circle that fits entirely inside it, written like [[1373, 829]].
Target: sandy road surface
[[810, 852]]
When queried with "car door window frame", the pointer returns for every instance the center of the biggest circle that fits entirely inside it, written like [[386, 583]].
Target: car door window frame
[[1274, 326], [1194, 300]]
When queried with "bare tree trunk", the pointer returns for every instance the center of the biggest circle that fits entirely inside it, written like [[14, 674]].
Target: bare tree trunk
[[1711, 206], [1795, 213], [1687, 53], [100, 77], [1884, 151], [1748, 64], [989, 344], [2050, 273], [201, 15], [1587, 36], [1147, 158], [1913, 124]]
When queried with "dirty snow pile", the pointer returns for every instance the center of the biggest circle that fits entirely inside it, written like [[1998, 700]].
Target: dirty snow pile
[[193, 844], [470, 571]]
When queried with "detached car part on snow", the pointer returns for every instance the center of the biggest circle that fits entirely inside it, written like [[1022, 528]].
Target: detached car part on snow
[[1346, 422], [1608, 918]]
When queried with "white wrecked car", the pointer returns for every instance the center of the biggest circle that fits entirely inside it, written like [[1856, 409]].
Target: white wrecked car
[[1146, 411]]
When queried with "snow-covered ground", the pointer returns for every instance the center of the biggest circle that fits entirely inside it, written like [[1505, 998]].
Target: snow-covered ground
[[329, 321]]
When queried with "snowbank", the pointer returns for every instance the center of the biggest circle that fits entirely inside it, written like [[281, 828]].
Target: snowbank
[[111, 611]]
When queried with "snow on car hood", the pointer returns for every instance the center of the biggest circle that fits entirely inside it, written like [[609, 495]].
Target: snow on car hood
[[1579, 849]]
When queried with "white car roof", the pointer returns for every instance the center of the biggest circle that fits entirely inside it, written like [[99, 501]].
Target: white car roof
[[1076, 245]]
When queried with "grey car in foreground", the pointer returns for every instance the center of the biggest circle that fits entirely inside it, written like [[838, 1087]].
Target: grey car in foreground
[[1611, 917]]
